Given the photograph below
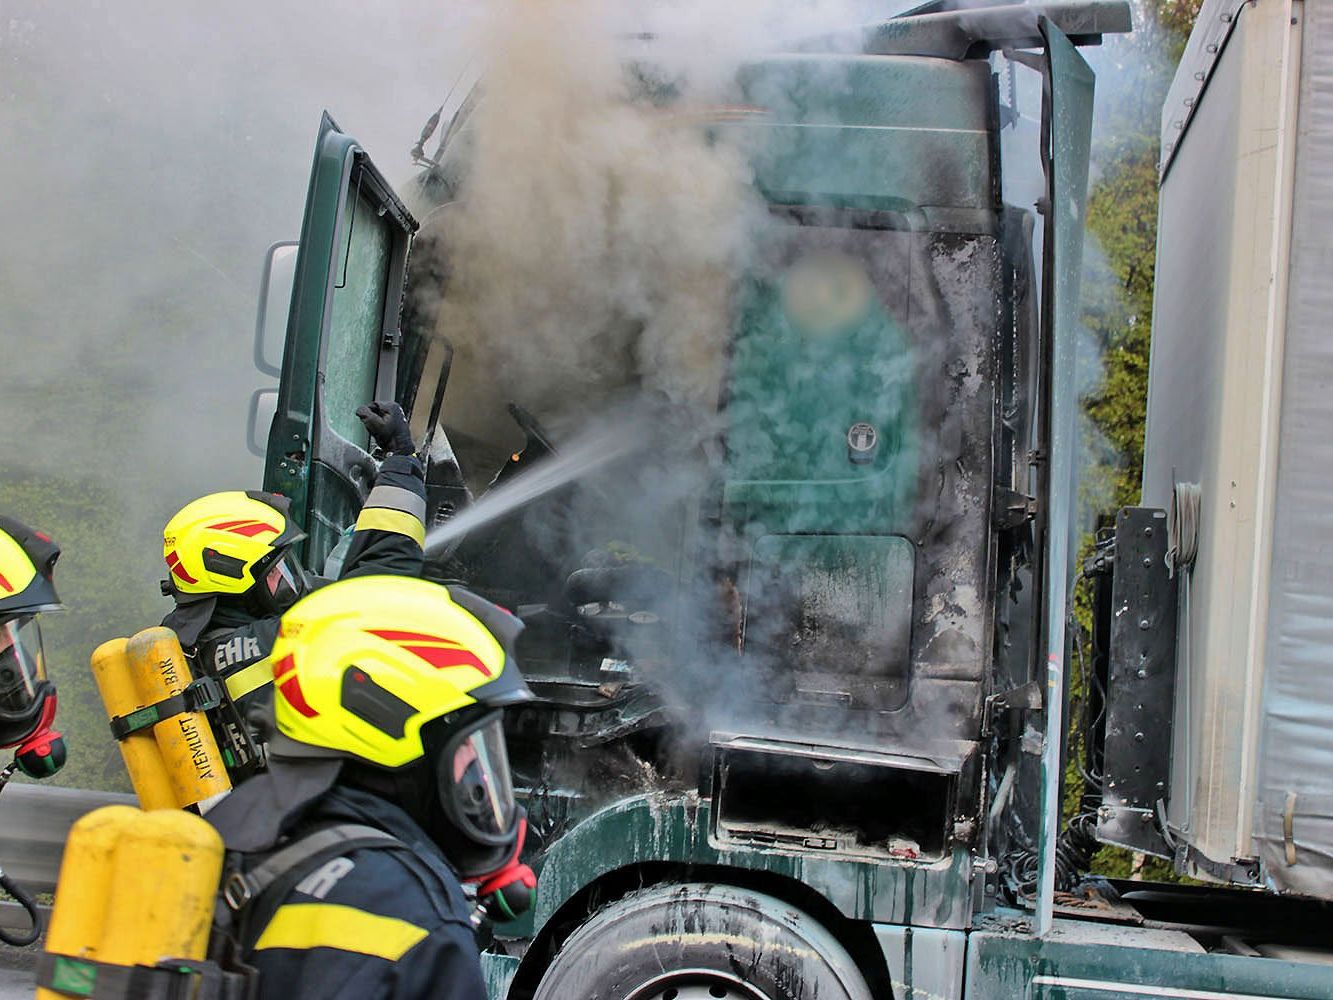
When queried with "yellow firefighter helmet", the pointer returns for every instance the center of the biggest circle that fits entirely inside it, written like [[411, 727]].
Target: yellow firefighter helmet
[[361, 665], [27, 560], [27, 697], [226, 543]]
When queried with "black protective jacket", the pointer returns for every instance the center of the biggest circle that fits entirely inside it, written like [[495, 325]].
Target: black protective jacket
[[377, 923], [231, 640]]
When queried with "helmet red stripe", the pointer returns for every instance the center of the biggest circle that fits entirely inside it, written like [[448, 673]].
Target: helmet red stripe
[[247, 527], [393, 635], [284, 666], [291, 690], [5, 583], [439, 654], [440, 657], [177, 570]]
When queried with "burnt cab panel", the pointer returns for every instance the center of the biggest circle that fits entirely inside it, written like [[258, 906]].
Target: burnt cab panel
[[878, 432], [866, 132], [860, 401], [832, 615]]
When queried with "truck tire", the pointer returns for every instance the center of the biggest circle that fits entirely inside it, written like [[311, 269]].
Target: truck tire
[[701, 942]]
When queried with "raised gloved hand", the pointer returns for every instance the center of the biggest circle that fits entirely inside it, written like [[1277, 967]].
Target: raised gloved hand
[[388, 426]]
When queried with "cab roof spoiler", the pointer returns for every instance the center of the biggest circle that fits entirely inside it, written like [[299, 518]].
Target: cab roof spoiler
[[944, 30]]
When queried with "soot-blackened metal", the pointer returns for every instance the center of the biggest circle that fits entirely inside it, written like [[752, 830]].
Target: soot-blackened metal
[[1140, 685]]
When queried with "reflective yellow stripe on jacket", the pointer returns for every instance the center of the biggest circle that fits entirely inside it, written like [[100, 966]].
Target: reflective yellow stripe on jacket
[[398, 521], [250, 678], [327, 925]]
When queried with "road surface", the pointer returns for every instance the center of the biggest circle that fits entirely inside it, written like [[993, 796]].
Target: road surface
[[16, 972]]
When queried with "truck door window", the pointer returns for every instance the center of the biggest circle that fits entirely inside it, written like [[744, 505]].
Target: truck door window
[[357, 317]]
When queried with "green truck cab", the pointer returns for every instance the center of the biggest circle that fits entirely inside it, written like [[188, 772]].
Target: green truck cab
[[799, 719]]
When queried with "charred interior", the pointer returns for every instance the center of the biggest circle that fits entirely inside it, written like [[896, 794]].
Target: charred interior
[[836, 549], [848, 805]]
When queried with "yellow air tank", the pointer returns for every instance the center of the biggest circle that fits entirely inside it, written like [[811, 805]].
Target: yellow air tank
[[84, 886], [143, 759], [188, 748], [175, 762], [107, 909]]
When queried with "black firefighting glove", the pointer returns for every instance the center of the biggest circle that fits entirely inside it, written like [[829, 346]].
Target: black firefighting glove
[[388, 426]]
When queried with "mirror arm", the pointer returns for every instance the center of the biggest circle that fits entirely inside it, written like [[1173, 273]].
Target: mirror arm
[[252, 439]]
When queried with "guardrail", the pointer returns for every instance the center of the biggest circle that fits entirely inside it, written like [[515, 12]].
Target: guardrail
[[34, 822]]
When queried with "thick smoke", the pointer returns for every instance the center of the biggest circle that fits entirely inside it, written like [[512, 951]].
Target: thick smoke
[[596, 243], [600, 229], [597, 235]]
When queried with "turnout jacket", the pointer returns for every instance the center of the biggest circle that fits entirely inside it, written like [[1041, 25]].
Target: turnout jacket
[[377, 923], [233, 644]]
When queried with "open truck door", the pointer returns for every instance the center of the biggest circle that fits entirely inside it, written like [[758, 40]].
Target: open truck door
[[1066, 141], [342, 337]]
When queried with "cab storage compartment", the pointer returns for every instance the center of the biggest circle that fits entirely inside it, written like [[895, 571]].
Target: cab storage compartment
[[827, 799]]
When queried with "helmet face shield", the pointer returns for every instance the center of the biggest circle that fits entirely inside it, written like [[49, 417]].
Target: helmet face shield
[[24, 688], [283, 582], [475, 787], [22, 665]]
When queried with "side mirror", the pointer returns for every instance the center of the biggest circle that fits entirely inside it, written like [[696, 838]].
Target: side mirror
[[275, 302], [263, 407]]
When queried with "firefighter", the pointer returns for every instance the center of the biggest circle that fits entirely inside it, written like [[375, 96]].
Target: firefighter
[[233, 569], [388, 707], [27, 697]]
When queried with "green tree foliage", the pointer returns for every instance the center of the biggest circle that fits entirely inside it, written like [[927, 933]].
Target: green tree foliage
[[1122, 226], [1118, 300], [1175, 18]]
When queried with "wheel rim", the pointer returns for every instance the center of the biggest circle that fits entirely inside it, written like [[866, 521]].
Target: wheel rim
[[696, 984]]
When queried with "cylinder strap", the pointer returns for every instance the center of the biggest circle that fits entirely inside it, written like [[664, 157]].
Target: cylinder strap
[[168, 980], [198, 696], [238, 887]]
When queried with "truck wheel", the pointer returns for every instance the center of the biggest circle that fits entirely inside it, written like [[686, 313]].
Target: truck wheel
[[701, 942]]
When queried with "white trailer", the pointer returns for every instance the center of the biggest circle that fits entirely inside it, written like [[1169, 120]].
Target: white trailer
[[1240, 439]]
